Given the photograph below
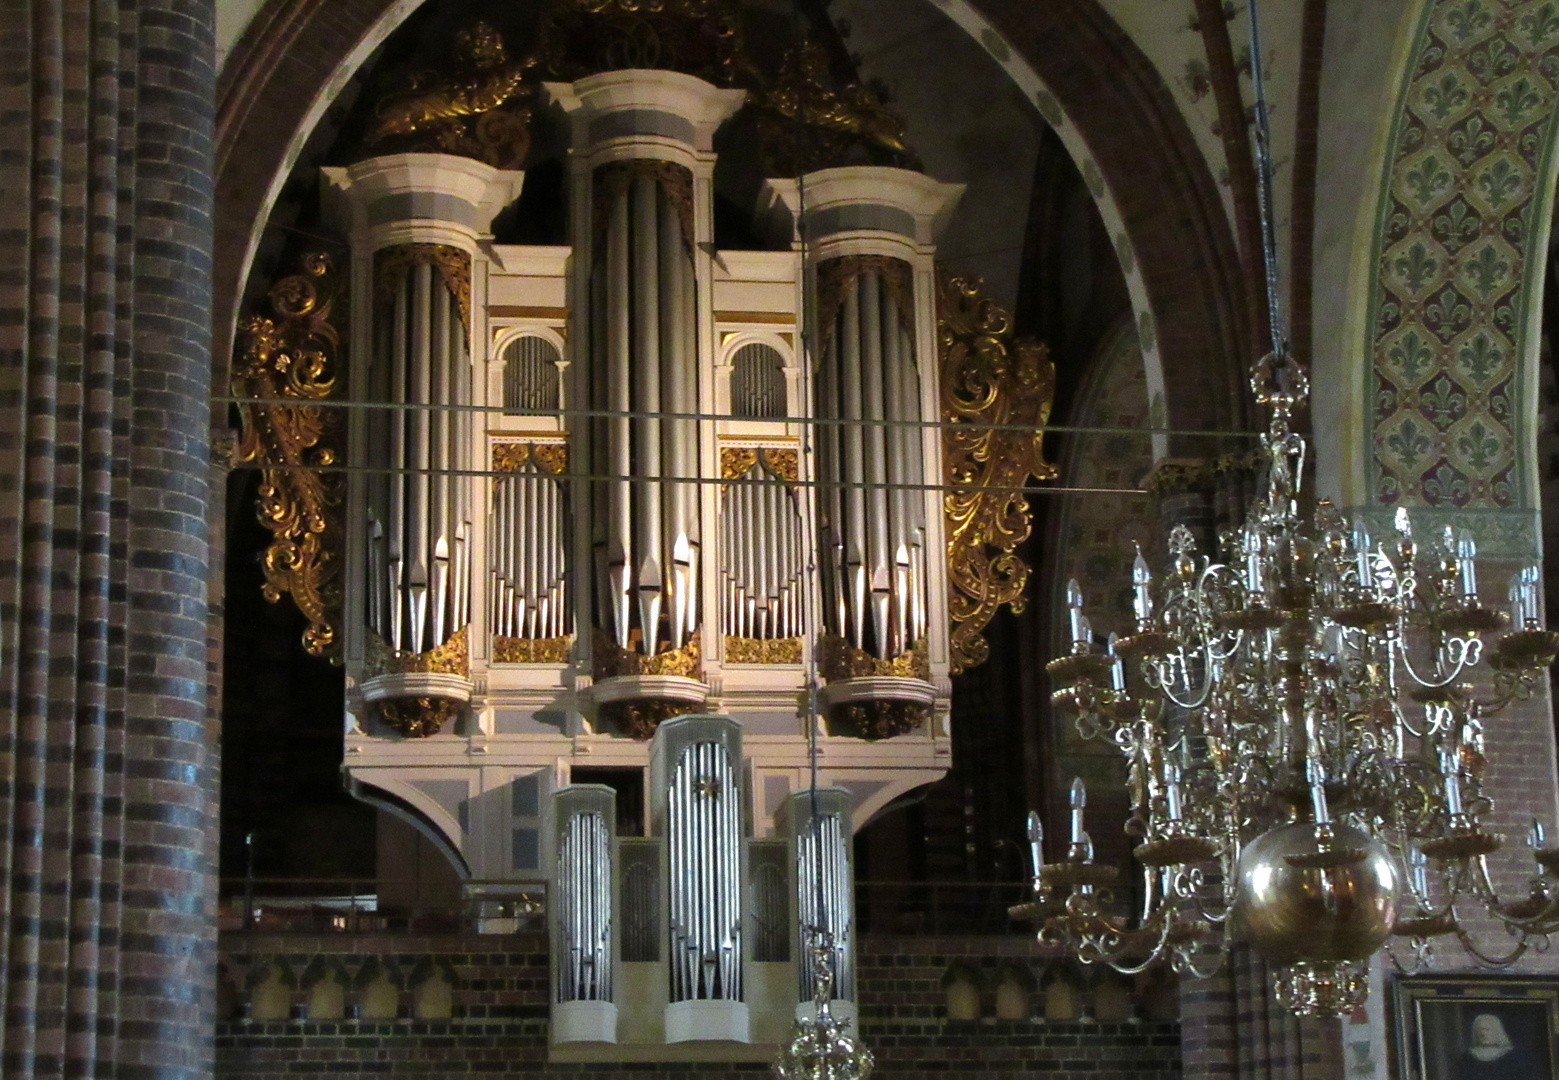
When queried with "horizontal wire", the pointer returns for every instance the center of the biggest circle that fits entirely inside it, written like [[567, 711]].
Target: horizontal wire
[[815, 421], [617, 478]]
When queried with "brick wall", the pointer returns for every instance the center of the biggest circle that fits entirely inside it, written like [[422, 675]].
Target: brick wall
[[499, 1026]]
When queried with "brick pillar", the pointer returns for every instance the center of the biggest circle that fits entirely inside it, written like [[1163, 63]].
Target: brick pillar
[[107, 758]]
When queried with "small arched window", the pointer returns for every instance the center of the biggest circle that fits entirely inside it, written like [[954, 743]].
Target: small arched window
[[530, 376], [758, 382]]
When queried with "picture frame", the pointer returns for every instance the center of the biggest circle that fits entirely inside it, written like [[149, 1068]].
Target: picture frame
[[1476, 1027]]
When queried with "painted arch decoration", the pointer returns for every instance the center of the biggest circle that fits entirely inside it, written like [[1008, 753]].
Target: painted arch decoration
[[1462, 224]]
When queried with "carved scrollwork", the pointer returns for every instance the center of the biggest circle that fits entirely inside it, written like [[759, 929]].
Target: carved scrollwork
[[838, 659], [616, 177], [806, 124], [736, 460], [453, 266], [510, 457], [745, 650], [611, 661], [990, 380], [698, 37], [453, 657], [782, 463], [513, 650], [289, 361], [835, 276], [469, 106]]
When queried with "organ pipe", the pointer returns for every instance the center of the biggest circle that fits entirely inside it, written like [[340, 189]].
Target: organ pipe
[[583, 914], [873, 529], [702, 816], [825, 891], [418, 562], [760, 554], [529, 587], [646, 346]]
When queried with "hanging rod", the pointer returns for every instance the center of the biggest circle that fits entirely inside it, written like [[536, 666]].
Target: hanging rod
[[373, 470], [610, 414]]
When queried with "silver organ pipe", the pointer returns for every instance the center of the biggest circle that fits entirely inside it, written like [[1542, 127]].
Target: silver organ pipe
[[530, 376], [529, 582], [825, 888], [646, 346], [582, 920], [698, 771], [420, 508], [761, 553], [875, 577]]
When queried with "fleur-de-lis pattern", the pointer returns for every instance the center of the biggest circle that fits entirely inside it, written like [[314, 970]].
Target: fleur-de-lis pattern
[[1457, 218]]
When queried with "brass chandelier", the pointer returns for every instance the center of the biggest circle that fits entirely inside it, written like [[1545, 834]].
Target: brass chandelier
[[1302, 715]]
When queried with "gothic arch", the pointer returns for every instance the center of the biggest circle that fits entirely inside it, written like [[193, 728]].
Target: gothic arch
[[1089, 81]]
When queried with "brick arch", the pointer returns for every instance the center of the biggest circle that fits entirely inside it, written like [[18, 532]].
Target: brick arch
[[1140, 159]]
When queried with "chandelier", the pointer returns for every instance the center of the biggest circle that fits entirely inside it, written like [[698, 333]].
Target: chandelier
[[1301, 710], [821, 1047]]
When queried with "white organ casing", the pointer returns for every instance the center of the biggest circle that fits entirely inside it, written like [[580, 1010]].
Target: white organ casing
[[614, 572]]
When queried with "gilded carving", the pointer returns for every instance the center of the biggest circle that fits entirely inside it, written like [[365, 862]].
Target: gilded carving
[[511, 457], [736, 460], [782, 463], [453, 266], [469, 106], [616, 177], [838, 659], [745, 650], [453, 657], [835, 277], [290, 362], [698, 37], [550, 457], [877, 719], [513, 650], [639, 719], [805, 124], [418, 717], [992, 382], [611, 661]]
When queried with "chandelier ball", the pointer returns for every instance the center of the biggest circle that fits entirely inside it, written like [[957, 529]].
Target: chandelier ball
[[1303, 899]]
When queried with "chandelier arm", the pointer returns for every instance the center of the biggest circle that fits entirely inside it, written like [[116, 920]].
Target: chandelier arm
[[1490, 959], [1462, 664], [1184, 961]]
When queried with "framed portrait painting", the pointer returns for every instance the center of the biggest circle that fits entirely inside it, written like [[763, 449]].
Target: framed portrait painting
[[1476, 1027]]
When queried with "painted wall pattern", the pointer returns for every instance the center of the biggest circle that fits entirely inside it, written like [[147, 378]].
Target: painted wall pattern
[[1463, 206]]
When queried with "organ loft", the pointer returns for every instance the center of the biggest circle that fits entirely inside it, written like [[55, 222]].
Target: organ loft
[[630, 522]]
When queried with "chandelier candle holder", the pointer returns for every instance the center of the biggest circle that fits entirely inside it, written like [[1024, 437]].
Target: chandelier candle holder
[[1302, 716]]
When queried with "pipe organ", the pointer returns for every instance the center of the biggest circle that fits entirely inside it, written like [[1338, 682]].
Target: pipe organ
[[608, 484]]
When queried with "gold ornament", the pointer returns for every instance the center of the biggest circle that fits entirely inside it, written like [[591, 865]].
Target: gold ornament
[[511, 457], [611, 661], [838, 659], [989, 377], [468, 107], [453, 657], [452, 263], [418, 717], [745, 650], [513, 650], [290, 360]]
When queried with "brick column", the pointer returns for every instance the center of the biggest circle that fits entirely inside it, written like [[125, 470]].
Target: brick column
[[107, 758]]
